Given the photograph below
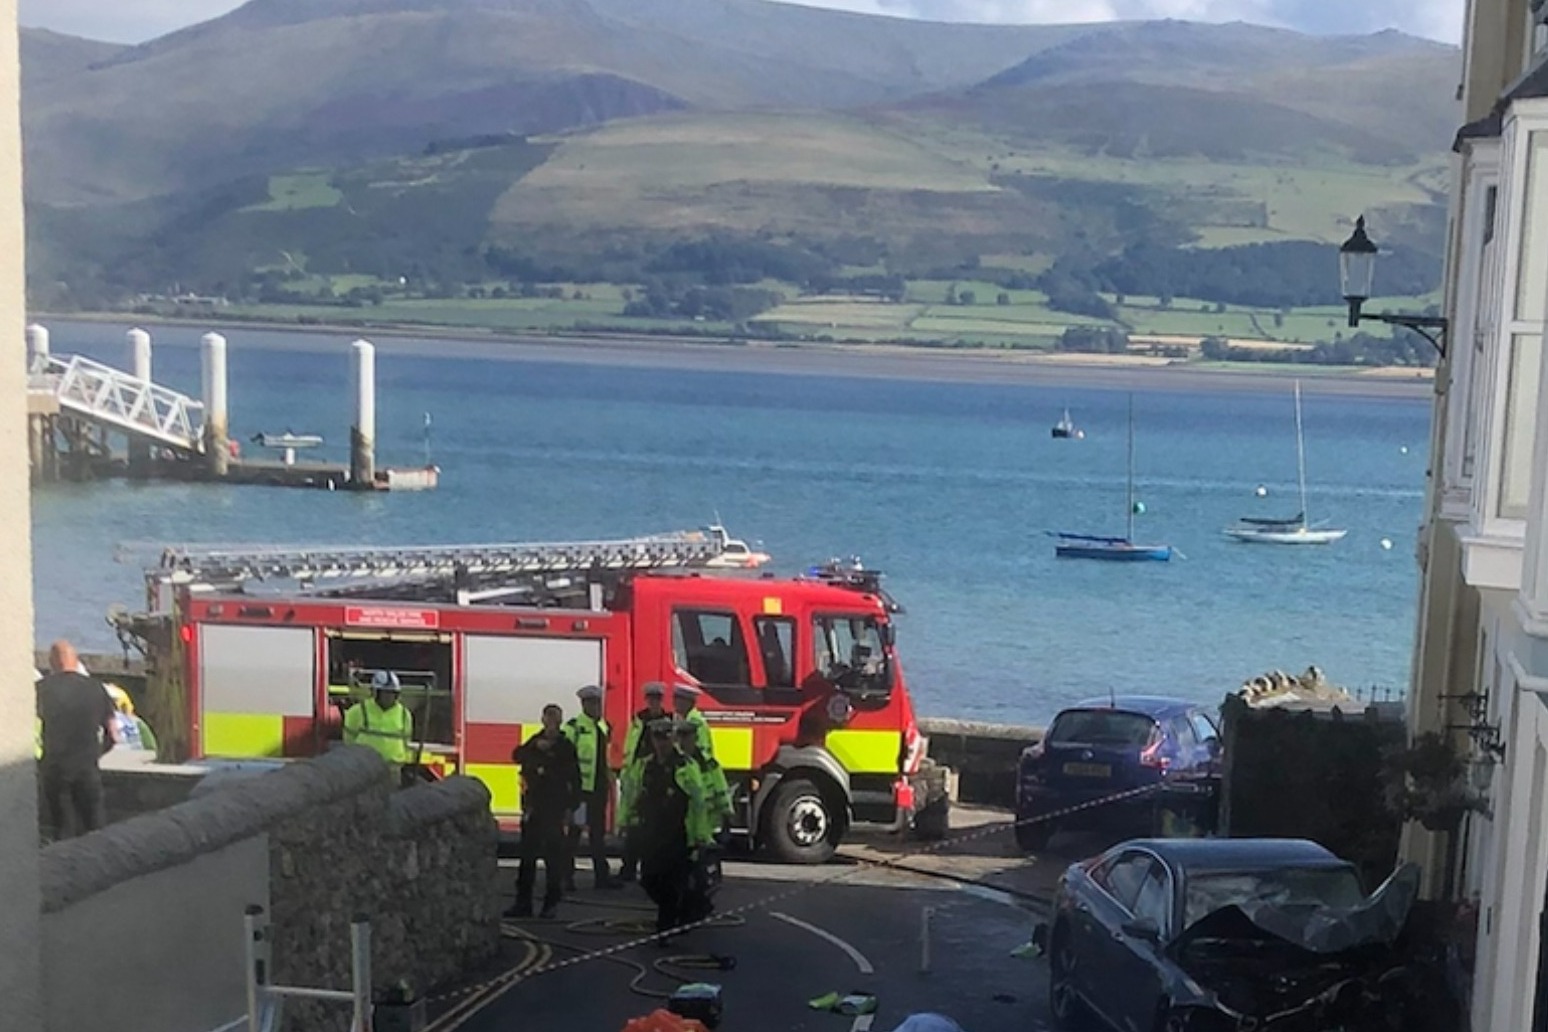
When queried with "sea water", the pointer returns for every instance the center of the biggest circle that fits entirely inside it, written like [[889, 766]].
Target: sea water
[[950, 488]]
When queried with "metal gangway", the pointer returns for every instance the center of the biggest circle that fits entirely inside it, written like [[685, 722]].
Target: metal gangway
[[117, 400]]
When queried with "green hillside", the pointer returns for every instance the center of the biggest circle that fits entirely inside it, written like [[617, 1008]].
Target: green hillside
[[379, 153]]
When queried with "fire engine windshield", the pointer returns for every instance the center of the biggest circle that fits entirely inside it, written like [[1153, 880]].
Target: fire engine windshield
[[852, 653]]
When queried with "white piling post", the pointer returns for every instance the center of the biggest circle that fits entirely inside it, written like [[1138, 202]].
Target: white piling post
[[140, 365], [37, 346], [216, 428], [140, 354], [360, 972], [925, 914], [362, 436]]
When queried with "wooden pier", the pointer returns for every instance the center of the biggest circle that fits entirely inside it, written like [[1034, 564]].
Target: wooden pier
[[90, 421]]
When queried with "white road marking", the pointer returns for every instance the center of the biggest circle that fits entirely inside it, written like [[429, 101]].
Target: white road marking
[[822, 933], [862, 1023]]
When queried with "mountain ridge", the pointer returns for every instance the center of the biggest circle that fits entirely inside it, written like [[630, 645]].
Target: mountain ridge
[[653, 120]]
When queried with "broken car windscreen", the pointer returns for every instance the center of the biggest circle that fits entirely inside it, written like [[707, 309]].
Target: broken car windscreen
[[1326, 886]]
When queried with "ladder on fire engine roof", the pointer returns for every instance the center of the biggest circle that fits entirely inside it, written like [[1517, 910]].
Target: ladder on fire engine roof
[[681, 550]]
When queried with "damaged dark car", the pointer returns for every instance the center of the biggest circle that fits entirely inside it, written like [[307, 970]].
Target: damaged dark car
[[1227, 935]]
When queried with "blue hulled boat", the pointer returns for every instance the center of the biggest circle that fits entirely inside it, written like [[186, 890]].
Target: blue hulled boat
[[1122, 550], [1114, 549]]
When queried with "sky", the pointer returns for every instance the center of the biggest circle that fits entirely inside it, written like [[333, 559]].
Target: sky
[[134, 21]]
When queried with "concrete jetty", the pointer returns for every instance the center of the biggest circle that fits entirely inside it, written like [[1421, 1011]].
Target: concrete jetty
[[88, 420]]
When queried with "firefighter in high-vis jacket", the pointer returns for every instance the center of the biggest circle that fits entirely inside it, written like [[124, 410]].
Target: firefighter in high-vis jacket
[[382, 722], [636, 751], [706, 822], [589, 732]]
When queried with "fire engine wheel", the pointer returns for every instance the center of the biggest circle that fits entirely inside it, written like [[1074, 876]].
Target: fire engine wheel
[[800, 827]]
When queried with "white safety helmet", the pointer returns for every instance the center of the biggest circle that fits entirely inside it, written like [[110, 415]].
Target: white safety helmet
[[385, 681]]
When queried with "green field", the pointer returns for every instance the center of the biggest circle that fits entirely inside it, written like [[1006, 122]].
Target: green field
[[1025, 322], [300, 191]]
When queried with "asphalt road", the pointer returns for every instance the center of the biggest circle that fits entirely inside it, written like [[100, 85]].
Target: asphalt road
[[856, 934], [797, 933]]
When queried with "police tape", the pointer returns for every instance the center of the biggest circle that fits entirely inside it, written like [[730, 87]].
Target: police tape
[[477, 997]]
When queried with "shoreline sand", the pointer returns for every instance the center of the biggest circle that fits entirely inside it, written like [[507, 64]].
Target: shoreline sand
[[872, 361]]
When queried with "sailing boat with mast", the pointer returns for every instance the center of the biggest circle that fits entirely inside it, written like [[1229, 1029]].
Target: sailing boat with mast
[[1114, 549], [1298, 529]]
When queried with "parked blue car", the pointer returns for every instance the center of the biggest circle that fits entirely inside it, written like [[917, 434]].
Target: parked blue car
[[1220, 935], [1107, 747]]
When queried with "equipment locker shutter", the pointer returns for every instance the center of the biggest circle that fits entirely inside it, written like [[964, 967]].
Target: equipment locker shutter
[[251, 679], [507, 683], [510, 680]]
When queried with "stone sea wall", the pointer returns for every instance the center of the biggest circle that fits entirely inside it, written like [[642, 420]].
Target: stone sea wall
[[982, 757]]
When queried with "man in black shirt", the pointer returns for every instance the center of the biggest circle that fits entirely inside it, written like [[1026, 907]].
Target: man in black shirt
[[550, 778], [77, 717]]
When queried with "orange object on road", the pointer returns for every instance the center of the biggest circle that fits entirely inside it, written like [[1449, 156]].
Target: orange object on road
[[664, 1021]]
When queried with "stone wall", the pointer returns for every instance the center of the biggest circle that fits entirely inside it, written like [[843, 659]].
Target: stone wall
[[333, 839], [983, 757], [420, 864], [1318, 774]]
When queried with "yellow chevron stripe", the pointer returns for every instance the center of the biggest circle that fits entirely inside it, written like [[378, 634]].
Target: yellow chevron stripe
[[733, 747], [503, 782], [243, 735], [866, 752]]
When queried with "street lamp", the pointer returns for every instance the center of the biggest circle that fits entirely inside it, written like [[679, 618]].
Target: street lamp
[[1357, 272]]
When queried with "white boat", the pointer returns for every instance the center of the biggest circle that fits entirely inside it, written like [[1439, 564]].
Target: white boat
[[1065, 429], [735, 554], [1298, 529]]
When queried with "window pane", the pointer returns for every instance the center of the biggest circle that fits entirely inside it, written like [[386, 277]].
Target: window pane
[[1203, 728], [1124, 880], [847, 648], [1100, 727], [1184, 734], [1154, 900], [1484, 305], [710, 647], [776, 643], [1520, 423], [1532, 273]]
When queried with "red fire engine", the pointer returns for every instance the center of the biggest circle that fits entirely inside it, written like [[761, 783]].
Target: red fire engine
[[256, 655]]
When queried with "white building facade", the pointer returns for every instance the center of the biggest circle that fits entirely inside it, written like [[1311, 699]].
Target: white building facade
[[20, 1005], [1481, 662]]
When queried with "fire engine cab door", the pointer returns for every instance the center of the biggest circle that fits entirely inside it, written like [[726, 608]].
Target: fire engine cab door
[[252, 682], [508, 681]]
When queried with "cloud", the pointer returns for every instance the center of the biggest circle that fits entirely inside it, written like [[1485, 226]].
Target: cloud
[[133, 21]]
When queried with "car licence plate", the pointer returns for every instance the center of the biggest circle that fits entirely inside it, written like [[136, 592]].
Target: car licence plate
[[1089, 770]]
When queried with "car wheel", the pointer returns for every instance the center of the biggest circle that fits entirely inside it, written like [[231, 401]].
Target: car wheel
[[800, 826], [1064, 1003], [1034, 837]]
